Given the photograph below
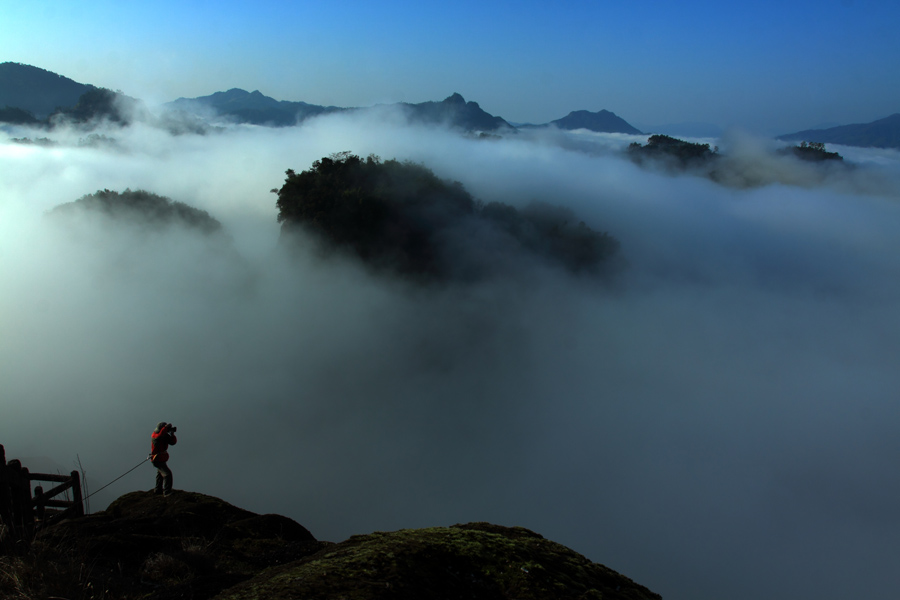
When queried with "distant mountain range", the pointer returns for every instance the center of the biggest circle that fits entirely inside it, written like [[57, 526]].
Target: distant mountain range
[[30, 95], [253, 107], [883, 133], [41, 93]]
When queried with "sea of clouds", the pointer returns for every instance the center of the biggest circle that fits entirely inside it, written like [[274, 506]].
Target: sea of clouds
[[720, 421]]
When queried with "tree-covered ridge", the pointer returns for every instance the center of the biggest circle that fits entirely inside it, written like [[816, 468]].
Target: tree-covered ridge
[[92, 107], [33, 96], [100, 104], [143, 207], [401, 216], [664, 147], [36, 90], [812, 151], [741, 170], [17, 116]]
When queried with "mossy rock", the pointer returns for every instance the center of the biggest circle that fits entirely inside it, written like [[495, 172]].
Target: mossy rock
[[477, 561]]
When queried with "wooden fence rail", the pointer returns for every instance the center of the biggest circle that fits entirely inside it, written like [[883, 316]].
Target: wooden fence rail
[[21, 513]]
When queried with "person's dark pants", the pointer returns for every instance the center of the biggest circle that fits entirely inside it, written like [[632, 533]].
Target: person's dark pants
[[163, 477]]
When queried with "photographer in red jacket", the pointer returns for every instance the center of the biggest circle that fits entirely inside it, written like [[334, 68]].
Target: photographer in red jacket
[[160, 440]]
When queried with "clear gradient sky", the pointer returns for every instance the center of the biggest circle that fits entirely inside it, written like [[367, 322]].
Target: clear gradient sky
[[767, 66]]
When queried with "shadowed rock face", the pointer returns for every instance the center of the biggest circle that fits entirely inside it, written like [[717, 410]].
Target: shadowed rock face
[[477, 560]]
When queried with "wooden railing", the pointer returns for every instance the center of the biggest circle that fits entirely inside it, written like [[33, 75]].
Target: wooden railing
[[21, 513]]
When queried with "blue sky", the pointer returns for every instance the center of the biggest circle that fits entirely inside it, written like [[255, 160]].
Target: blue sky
[[766, 66]]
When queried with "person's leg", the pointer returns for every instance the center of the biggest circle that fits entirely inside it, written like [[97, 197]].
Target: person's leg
[[159, 477], [163, 477], [168, 479]]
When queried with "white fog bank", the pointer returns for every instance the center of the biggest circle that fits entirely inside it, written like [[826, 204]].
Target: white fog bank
[[720, 422]]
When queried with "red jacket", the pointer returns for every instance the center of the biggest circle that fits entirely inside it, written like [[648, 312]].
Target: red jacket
[[159, 444]]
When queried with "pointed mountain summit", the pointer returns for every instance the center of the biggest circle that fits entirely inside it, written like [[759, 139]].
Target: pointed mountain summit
[[883, 133], [602, 121], [36, 90], [456, 98], [455, 112]]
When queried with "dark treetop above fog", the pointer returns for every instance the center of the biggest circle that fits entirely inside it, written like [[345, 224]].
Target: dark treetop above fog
[[402, 218], [675, 155], [141, 207]]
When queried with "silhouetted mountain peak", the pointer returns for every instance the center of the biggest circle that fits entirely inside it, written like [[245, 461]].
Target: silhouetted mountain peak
[[455, 112], [600, 121], [455, 98], [586, 113]]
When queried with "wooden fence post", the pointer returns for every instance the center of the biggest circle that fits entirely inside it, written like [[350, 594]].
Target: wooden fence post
[[26, 513], [20, 513], [39, 503], [21, 516], [78, 506], [6, 517]]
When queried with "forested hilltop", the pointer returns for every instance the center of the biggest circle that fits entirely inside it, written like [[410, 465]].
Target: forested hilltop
[[803, 164], [400, 217], [140, 206], [36, 91]]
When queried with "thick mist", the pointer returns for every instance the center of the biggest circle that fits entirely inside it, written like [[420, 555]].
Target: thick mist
[[719, 422]]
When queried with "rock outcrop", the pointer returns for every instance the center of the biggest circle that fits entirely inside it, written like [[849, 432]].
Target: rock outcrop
[[189, 545], [477, 560]]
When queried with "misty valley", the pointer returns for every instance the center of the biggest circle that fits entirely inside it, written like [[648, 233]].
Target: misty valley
[[675, 357]]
